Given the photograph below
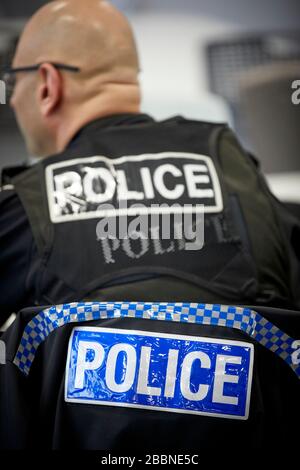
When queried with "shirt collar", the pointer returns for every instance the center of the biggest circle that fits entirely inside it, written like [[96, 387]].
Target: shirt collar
[[110, 121]]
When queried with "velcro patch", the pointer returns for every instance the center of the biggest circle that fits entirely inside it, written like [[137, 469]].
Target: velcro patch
[[83, 188], [159, 371]]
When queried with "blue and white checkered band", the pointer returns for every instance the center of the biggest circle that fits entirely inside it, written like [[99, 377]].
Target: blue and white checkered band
[[239, 318]]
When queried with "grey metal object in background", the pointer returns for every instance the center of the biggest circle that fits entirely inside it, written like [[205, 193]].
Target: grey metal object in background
[[231, 59], [272, 119], [12, 147], [17, 9]]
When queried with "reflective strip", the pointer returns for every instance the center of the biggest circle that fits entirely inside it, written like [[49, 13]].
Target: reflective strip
[[239, 318], [7, 187]]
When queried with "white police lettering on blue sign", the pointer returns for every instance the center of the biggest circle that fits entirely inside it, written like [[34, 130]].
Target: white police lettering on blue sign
[[158, 371]]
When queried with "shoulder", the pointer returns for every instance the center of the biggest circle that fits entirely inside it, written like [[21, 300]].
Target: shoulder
[[6, 191], [8, 198], [9, 201], [13, 219], [10, 204], [181, 120]]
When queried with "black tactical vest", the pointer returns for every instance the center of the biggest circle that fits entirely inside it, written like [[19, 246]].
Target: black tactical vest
[[132, 171]]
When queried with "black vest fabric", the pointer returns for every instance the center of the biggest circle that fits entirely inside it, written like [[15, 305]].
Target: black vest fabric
[[34, 413], [175, 161]]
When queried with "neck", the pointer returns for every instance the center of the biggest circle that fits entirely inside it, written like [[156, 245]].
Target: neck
[[103, 106]]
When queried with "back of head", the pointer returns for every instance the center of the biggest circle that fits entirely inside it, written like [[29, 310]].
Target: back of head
[[94, 37], [91, 34]]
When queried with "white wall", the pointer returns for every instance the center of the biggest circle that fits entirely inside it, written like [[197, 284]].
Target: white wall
[[173, 74]]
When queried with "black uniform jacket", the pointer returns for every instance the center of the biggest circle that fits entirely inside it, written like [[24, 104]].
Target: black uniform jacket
[[36, 412]]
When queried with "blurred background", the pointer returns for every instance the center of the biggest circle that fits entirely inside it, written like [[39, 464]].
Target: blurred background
[[214, 60]]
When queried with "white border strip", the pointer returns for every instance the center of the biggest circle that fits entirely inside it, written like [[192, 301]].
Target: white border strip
[[112, 162]]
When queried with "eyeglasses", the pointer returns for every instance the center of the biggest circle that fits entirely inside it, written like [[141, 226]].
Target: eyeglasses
[[9, 75]]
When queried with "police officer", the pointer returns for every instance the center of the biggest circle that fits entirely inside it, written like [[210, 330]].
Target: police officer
[[76, 95]]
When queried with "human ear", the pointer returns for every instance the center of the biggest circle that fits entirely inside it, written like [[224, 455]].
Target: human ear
[[49, 89]]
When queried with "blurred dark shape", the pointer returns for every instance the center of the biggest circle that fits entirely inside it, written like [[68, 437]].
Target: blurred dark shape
[[12, 147], [19, 9], [230, 59], [7, 119], [15, 8], [272, 119], [295, 210]]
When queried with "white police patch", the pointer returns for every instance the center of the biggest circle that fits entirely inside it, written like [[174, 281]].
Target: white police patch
[[159, 371], [80, 188]]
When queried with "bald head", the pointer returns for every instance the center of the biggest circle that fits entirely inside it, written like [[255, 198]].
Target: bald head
[[93, 36]]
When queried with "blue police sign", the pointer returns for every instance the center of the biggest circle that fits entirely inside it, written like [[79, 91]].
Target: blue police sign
[[164, 372]]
